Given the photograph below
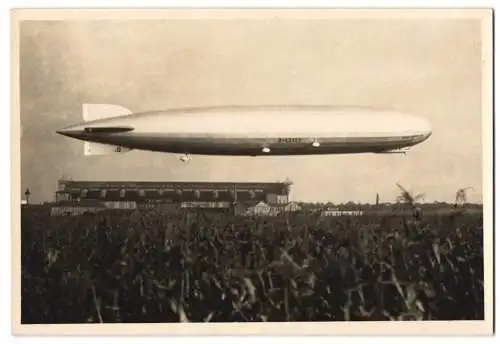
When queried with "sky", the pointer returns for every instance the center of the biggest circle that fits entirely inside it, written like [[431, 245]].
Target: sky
[[430, 68]]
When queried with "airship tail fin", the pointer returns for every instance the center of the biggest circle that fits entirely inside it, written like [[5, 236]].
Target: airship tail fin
[[92, 112], [93, 148]]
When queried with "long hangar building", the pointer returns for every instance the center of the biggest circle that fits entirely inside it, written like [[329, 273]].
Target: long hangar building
[[123, 195]]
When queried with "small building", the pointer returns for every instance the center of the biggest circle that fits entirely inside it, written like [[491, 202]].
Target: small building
[[69, 208], [260, 209], [339, 212], [264, 209], [292, 207], [205, 205], [123, 205]]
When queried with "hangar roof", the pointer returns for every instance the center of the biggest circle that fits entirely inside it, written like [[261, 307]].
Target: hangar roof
[[276, 187]]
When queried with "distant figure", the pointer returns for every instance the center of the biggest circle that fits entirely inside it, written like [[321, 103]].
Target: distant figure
[[27, 194]]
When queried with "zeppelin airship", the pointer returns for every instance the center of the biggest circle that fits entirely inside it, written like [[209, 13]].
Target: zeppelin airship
[[248, 130]]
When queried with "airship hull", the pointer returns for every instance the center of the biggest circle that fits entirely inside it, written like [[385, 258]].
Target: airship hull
[[256, 146], [258, 131]]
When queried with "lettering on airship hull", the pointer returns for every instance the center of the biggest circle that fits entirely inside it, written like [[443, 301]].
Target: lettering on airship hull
[[289, 140]]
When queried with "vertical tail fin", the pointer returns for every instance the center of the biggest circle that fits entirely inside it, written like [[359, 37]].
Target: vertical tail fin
[[92, 112]]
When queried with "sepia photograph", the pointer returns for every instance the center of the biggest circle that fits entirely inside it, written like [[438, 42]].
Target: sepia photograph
[[252, 171]]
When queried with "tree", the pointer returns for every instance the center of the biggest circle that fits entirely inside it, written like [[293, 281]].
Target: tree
[[461, 195], [411, 199], [407, 197]]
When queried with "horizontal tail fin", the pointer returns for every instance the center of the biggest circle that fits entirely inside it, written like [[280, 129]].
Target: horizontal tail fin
[[93, 148], [92, 112]]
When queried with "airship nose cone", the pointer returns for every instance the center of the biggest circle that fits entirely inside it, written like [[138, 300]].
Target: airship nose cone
[[423, 128], [427, 128], [73, 131], [419, 125]]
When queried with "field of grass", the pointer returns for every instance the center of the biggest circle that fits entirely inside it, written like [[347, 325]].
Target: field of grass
[[199, 267]]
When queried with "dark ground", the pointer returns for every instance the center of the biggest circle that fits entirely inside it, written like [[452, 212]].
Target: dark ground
[[153, 267]]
